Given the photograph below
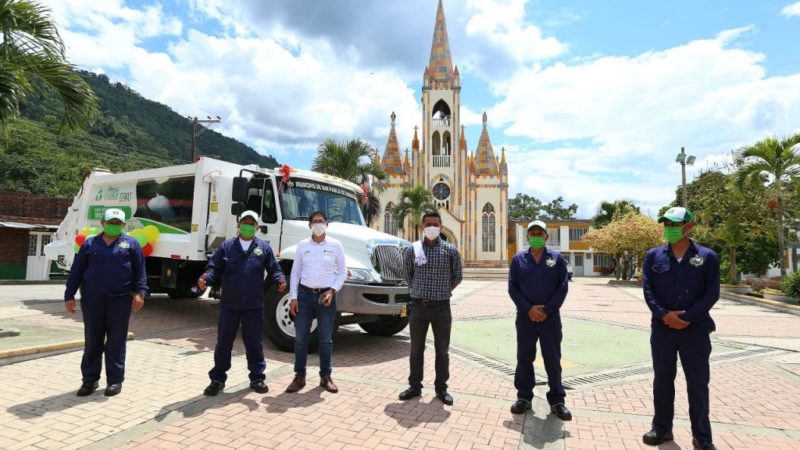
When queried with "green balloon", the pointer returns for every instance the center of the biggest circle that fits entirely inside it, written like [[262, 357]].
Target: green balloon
[[76, 247], [93, 231]]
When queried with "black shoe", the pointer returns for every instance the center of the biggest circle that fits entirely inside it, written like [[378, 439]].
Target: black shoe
[[653, 437], [87, 389], [259, 386], [410, 393], [113, 389], [520, 406], [703, 445], [446, 398], [214, 388], [561, 411]]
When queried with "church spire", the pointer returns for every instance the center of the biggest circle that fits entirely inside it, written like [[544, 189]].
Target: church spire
[[485, 161], [392, 163], [440, 67]]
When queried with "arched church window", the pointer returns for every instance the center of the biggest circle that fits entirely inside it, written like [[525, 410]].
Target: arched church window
[[488, 228], [437, 144], [442, 108], [389, 224]]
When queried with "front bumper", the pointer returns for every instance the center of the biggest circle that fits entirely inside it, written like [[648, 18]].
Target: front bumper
[[372, 299]]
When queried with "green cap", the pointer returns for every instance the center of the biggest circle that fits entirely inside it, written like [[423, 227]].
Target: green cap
[[676, 214]]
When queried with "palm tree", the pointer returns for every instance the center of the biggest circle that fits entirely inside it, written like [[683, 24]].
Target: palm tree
[[353, 161], [32, 49], [413, 202], [772, 162], [610, 211]]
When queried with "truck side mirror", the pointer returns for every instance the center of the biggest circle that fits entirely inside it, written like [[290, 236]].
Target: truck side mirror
[[237, 208], [239, 192]]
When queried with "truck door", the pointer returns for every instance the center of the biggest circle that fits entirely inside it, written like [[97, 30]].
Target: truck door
[[261, 198]]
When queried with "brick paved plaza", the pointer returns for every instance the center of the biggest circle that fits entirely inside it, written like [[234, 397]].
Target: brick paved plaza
[[755, 388]]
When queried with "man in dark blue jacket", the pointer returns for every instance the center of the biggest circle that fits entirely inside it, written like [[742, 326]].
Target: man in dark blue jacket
[[538, 284], [109, 270], [240, 263], [681, 284]]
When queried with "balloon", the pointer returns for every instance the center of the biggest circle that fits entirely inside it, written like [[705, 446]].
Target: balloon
[[147, 250], [93, 231], [76, 247], [80, 239], [152, 233], [140, 237], [85, 230]]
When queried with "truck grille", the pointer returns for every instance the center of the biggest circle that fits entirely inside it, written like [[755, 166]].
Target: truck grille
[[389, 262]]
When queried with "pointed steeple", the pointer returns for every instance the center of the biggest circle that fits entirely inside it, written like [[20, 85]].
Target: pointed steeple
[[392, 163], [440, 67], [462, 142], [503, 164], [485, 162], [406, 164], [415, 141]]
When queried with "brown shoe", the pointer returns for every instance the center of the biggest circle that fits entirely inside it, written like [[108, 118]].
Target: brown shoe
[[297, 384], [328, 384]]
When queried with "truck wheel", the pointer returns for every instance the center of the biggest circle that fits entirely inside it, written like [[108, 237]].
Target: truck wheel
[[279, 324], [184, 293], [385, 325]]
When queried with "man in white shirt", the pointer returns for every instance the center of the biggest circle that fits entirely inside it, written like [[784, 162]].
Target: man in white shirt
[[317, 274]]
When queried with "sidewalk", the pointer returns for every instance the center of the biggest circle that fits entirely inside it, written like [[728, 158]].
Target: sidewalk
[[755, 384]]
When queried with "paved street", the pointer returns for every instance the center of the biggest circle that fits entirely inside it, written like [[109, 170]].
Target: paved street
[[755, 390]]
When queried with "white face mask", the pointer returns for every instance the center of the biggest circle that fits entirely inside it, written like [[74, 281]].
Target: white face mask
[[318, 228], [431, 233]]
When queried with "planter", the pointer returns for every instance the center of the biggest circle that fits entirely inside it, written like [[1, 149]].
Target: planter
[[777, 296], [742, 289]]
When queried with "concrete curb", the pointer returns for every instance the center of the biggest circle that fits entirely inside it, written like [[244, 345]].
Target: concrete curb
[[771, 304], [46, 348], [27, 282]]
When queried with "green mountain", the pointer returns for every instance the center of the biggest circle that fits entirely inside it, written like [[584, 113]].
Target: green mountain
[[129, 132]]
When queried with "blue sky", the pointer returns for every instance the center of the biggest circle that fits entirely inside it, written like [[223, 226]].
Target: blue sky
[[592, 100]]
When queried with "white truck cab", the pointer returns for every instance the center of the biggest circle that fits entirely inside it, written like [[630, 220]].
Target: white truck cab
[[195, 207]]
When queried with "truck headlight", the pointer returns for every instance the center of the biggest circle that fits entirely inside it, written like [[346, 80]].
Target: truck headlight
[[359, 275]]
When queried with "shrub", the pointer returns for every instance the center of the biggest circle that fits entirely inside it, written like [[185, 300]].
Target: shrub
[[791, 285], [757, 284]]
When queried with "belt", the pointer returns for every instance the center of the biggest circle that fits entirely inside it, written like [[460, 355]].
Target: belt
[[431, 302], [314, 290]]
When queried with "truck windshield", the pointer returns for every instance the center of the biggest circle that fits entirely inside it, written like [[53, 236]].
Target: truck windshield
[[303, 197]]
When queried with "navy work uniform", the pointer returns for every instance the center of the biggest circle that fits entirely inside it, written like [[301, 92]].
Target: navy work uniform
[[107, 275], [691, 285], [242, 275], [543, 283]]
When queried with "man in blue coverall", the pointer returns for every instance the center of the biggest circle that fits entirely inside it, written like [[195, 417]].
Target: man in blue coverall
[[681, 284], [240, 263], [109, 270], [538, 284]]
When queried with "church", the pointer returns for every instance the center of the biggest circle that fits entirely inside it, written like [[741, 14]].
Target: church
[[470, 187]]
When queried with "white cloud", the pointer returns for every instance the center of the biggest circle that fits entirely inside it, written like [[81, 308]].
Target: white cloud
[[791, 10], [631, 115]]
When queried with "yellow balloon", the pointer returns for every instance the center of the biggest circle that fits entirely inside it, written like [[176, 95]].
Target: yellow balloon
[[152, 233], [85, 230]]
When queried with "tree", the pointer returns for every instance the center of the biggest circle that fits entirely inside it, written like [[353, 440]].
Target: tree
[[525, 208], [353, 161], [779, 160], [608, 211], [413, 202], [32, 50], [555, 210], [626, 239]]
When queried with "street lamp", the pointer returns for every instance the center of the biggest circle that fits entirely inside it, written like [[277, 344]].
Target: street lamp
[[684, 160]]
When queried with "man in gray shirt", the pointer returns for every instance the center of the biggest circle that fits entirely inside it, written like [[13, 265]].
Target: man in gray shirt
[[433, 268]]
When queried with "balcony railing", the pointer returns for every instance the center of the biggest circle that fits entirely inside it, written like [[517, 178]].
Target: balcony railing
[[441, 122], [441, 160]]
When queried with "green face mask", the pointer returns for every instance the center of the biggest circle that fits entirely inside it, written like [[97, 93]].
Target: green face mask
[[112, 230], [673, 234], [536, 242], [247, 231]]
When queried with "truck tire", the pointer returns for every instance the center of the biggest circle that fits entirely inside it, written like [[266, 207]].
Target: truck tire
[[279, 324], [385, 325], [184, 293]]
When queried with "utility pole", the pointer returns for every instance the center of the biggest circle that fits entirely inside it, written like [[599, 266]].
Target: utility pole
[[195, 121], [684, 160]]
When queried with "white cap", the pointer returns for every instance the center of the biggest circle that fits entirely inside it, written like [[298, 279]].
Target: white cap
[[114, 213], [249, 213], [538, 223]]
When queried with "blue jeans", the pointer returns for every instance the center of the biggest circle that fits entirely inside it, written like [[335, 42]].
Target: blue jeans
[[308, 310]]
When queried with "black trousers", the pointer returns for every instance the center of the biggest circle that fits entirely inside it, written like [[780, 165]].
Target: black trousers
[[436, 315]]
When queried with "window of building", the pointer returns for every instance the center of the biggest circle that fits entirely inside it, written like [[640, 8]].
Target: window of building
[[576, 234], [389, 224], [46, 239], [488, 228], [602, 260], [33, 244]]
